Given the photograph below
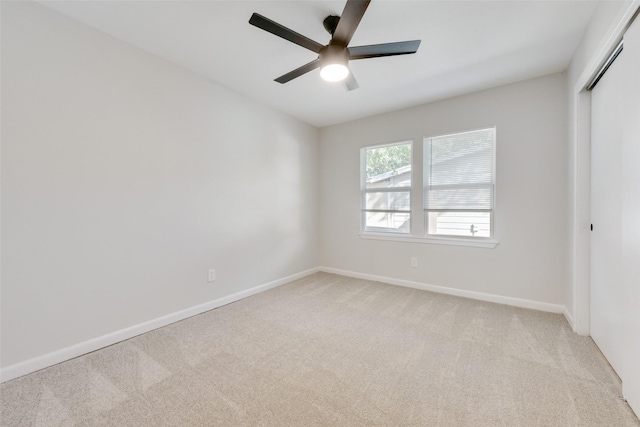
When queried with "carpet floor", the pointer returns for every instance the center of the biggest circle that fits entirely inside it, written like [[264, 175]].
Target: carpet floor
[[329, 350]]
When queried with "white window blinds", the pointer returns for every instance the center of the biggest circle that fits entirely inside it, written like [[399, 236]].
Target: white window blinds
[[459, 171]]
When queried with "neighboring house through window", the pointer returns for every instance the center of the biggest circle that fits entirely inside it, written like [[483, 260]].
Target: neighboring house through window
[[386, 187]]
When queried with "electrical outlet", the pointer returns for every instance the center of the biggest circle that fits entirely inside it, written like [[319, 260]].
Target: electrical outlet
[[212, 275], [414, 261]]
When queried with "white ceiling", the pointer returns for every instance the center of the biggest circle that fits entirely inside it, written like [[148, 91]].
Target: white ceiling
[[466, 46]]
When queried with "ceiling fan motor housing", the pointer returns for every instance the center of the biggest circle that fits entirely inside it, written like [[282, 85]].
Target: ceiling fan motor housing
[[334, 54]]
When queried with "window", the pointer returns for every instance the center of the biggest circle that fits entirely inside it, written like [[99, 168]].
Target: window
[[459, 184], [386, 187], [454, 191]]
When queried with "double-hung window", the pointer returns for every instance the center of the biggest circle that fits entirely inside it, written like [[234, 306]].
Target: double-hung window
[[386, 187], [454, 188], [458, 184]]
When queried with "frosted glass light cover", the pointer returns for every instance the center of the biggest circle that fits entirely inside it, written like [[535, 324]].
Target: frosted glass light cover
[[334, 72]]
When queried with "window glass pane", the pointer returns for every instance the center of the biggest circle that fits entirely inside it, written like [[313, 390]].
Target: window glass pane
[[386, 177], [388, 166], [387, 221], [388, 200], [468, 224]]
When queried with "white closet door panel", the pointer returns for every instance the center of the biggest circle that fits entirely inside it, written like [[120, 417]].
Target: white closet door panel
[[615, 214], [606, 214], [631, 217]]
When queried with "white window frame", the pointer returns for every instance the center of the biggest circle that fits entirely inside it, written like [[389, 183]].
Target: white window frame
[[364, 191], [418, 228]]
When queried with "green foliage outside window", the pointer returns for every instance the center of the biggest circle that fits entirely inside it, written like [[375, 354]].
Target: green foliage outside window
[[386, 159]]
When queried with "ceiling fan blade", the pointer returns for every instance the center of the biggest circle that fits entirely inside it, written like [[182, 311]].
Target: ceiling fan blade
[[350, 83], [349, 20], [384, 49], [273, 27], [299, 71]]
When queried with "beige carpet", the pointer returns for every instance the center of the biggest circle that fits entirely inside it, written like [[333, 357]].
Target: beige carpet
[[334, 351]]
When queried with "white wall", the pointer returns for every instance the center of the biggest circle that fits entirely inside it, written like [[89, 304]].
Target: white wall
[[531, 208], [125, 177]]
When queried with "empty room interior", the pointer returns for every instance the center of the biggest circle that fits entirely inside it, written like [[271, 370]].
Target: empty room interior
[[320, 213]]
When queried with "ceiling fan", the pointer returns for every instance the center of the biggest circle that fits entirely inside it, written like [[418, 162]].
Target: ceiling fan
[[333, 59]]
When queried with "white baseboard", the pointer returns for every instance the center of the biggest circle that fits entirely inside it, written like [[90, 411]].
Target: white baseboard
[[67, 353], [517, 302], [569, 317]]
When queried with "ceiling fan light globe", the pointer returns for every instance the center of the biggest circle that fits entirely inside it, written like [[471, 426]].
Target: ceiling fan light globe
[[334, 72]]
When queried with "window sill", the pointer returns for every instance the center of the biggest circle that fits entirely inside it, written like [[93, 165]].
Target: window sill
[[397, 237]]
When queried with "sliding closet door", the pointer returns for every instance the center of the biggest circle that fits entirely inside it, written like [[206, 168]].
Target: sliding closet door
[[631, 217], [615, 214], [606, 213]]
